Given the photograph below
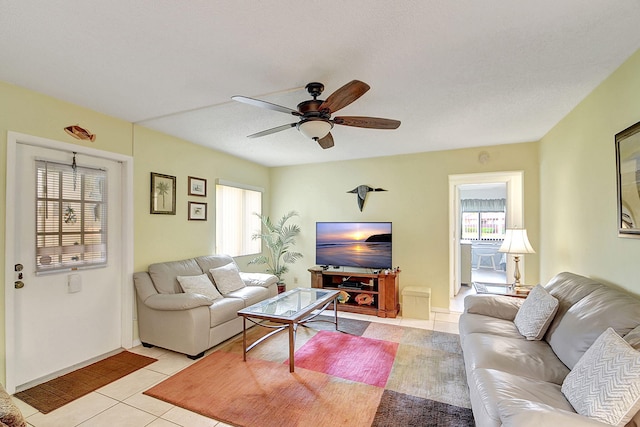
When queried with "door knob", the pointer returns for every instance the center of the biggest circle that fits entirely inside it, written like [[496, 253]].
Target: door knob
[[18, 267], [19, 284]]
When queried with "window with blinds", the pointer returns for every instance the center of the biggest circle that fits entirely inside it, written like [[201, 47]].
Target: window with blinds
[[235, 219], [71, 216]]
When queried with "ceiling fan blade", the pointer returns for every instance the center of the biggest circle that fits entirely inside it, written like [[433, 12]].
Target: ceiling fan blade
[[272, 130], [326, 142], [367, 122], [265, 104], [344, 96]]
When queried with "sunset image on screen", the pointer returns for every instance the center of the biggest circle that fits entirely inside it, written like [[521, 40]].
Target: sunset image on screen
[[355, 244]]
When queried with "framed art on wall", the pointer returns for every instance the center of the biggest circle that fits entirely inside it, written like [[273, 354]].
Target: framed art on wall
[[197, 186], [163, 194], [628, 180], [197, 211]]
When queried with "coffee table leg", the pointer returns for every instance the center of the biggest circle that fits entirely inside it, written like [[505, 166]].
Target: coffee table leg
[[292, 345], [335, 312], [244, 338]]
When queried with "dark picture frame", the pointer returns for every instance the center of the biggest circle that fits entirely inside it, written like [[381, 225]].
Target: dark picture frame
[[197, 186], [197, 211], [628, 180], [163, 194]]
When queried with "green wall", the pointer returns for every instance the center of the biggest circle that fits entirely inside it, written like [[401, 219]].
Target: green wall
[[578, 185], [417, 202]]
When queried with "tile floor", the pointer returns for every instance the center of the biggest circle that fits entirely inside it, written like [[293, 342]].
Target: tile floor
[[122, 403]]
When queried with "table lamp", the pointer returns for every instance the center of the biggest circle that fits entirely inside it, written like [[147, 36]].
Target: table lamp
[[516, 243]]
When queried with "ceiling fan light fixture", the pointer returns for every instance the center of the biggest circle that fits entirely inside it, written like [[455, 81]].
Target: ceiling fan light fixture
[[315, 129]]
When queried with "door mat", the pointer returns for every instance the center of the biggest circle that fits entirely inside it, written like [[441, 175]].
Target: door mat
[[57, 392]]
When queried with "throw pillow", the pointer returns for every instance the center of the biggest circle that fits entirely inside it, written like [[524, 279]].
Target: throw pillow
[[199, 285], [536, 313], [227, 278], [605, 383]]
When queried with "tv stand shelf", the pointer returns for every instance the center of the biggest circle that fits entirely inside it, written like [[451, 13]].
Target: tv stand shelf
[[383, 288]]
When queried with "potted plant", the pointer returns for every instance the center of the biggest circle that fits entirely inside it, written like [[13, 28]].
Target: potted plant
[[278, 238]]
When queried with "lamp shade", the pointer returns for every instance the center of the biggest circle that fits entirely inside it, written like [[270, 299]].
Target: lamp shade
[[315, 129], [516, 242]]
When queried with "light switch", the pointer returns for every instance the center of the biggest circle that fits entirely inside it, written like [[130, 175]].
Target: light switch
[[75, 283]]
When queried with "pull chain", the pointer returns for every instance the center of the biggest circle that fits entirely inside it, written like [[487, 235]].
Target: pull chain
[[74, 166]]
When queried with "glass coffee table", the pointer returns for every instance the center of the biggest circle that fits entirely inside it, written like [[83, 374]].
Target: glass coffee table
[[501, 289], [288, 310]]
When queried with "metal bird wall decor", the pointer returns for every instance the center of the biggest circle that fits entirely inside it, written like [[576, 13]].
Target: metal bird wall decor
[[361, 193]]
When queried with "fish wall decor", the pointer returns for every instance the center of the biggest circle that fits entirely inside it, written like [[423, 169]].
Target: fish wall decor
[[80, 133]]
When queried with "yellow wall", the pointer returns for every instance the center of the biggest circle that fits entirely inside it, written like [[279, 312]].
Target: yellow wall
[[417, 202], [172, 237], [157, 237], [578, 185]]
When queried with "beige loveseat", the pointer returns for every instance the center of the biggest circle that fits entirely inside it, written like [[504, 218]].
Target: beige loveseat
[[514, 381], [188, 322]]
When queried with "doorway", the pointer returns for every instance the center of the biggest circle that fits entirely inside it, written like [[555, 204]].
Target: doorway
[[58, 320], [512, 183]]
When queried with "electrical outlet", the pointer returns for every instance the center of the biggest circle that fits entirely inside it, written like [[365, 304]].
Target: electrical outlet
[[295, 280]]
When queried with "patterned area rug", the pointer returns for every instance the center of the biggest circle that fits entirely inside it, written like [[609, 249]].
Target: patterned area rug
[[59, 391], [368, 374]]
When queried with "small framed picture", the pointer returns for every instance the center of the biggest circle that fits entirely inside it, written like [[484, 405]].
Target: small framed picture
[[197, 211], [163, 194], [197, 186]]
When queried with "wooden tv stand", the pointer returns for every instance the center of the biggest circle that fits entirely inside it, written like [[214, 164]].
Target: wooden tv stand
[[383, 288]]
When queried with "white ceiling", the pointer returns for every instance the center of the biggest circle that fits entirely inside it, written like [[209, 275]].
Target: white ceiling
[[457, 73]]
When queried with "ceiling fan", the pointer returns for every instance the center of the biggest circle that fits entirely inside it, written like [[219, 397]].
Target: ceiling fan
[[315, 114]]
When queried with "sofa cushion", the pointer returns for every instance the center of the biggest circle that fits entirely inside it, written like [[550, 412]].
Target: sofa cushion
[[518, 356], [227, 278], [605, 383], [633, 338], [208, 262], [250, 294], [536, 313], [258, 279], [524, 413], [225, 309], [568, 288], [499, 306], [583, 323], [493, 386], [164, 274], [478, 323], [199, 285]]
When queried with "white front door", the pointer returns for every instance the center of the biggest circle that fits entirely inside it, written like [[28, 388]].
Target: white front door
[[57, 325]]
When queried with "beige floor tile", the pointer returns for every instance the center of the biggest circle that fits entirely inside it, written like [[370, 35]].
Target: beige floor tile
[[148, 404], [185, 418], [417, 323], [154, 352], [73, 413], [131, 384], [120, 415], [159, 422], [447, 317], [169, 363], [449, 327]]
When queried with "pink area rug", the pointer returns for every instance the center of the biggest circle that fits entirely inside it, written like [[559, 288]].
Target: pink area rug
[[354, 358]]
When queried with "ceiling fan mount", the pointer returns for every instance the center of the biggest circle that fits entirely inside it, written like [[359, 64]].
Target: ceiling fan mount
[[314, 89], [315, 114]]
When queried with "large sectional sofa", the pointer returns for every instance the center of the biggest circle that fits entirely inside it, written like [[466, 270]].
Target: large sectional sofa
[[191, 322], [552, 381]]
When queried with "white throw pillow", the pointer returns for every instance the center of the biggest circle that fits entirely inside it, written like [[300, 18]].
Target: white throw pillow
[[605, 383], [536, 313], [199, 285], [227, 278]]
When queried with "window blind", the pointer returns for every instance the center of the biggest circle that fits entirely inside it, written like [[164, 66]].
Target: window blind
[[235, 220], [71, 216]]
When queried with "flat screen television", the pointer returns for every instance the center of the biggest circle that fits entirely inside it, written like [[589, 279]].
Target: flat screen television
[[354, 244]]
